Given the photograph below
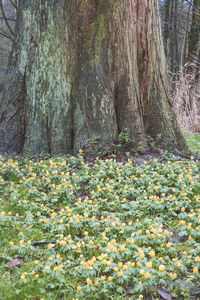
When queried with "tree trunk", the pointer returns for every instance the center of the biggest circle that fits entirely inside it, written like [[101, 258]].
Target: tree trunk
[[81, 72], [194, 35]]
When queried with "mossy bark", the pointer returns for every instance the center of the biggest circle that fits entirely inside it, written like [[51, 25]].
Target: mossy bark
[[80, 72]]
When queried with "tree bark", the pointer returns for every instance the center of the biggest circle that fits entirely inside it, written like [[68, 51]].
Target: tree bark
[[81, 72], [194, 36]]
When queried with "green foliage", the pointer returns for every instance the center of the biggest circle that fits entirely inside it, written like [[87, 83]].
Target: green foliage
[[155, 143], [107, 230], [193, 141], [124, 139]]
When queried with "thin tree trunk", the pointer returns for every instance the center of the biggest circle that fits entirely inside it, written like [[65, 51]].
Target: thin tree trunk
[[194, 35], [166, 34], [176, 37], [81, 72]]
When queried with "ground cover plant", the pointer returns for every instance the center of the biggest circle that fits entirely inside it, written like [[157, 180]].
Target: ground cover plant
[[71, 229]]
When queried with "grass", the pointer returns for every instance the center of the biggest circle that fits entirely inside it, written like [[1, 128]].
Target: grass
[[106, 230], [193, 141]]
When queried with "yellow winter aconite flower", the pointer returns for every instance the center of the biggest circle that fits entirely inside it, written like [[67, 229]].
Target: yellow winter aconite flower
[[50, 246], [149, 265], [197, 259], [172, 275], [139, 265], [147, 275], [120, 274], [142, 272], [195, 270], [79, 288], [89, 281], [169, 244], [162, 268], [96, 283], [152, 253]]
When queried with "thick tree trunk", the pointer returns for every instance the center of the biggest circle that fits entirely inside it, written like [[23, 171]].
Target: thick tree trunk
[[82, 71]]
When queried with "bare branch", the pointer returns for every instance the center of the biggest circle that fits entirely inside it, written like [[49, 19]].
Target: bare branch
[[5, 19], [196, 9], [13, 4], [3, 33], [8, 19]]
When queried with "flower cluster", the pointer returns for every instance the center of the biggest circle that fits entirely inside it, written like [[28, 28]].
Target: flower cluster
[[101, 230]]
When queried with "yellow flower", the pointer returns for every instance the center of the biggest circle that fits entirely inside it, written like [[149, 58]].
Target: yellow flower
[[89, 281], [11, 244], [96, 283], [152, 253], [50, 246], [120, 274], [109, 278], [142, 271], [172, 275], [169, 245], [79, 288], [197, 259], [122, 248], [139, 264], [22, 276], [36, 276], [161, 268], [195, 270], [149, 265], [132, 264], [142, 255], [147, 275]]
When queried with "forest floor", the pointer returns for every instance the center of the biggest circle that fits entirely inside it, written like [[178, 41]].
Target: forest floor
[[100, 229]]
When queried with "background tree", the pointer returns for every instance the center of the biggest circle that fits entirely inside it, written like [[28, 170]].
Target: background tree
[[181, 27], [7, 24], [80, 72]]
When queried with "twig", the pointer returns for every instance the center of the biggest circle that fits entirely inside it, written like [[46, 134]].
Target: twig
[[13, 4], [8, 19], [37, 243], [3, 33], [5, 19]]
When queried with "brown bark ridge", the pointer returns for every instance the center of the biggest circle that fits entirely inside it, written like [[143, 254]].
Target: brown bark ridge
[[81, 72]]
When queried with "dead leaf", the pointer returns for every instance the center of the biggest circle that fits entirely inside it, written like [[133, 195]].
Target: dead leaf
[[165, 295], [15, 262]]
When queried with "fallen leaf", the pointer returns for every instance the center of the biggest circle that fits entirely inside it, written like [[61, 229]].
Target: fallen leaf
[[15, 262], [165, 295]]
